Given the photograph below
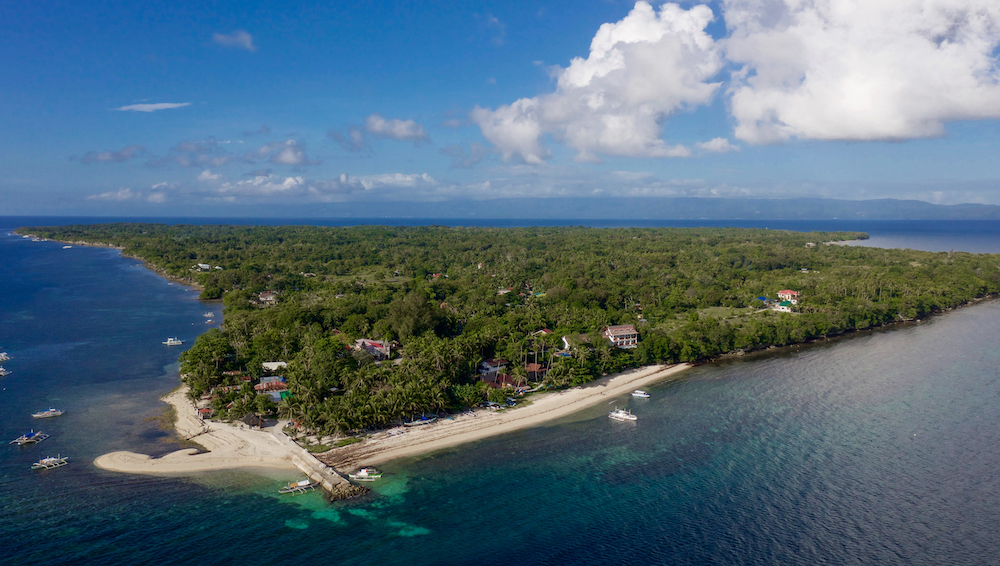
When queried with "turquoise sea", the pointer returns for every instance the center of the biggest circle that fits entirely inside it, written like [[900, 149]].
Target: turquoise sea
[[880, 448]]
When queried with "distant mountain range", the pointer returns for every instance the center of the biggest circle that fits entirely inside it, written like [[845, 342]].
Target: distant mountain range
[[670, 208]]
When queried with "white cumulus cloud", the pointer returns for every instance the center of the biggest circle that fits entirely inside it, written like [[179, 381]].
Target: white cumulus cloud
[[861, 69], [152, 107], [639, 70], [717, 145], [401, 130]]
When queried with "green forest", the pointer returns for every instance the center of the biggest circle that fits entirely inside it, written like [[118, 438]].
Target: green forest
[[448, 298]]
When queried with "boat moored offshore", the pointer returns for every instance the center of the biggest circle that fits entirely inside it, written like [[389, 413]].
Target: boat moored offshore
[[50, 462], [50, 412], [640, 393], [31, 437], [173, 341], [622, 415]]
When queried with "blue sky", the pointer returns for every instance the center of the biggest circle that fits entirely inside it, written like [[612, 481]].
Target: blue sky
[[196, 108]]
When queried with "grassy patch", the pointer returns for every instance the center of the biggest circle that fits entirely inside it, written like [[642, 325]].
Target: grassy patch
[[346, 442], [316, 448]]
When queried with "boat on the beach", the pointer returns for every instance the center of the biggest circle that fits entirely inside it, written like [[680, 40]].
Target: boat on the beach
[[300, 486], [366, 474], [50, 462], [31, 437], [50, 412], [640, 393], [622, 415], [422, 421], [173, 341]]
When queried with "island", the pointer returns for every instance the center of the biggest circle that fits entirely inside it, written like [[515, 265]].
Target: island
[[375, 342]]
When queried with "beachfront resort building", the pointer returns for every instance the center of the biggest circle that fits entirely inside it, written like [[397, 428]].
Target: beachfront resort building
[[622, 335]]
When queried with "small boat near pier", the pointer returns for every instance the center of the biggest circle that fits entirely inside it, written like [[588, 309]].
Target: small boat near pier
[[50, 462], [31, 437], [301, 486], [366, 474]]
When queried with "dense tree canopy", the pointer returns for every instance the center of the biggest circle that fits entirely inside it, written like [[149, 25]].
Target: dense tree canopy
[[452, 297]]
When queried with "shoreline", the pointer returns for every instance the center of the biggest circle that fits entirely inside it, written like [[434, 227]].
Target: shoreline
[[154, 268], [234, 446], [228, 446], [403, 442]]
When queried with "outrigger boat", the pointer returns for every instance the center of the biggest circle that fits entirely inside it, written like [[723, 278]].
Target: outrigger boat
[[422, 421], [50, 462], [4, 357], [366, 474], [622, 415], [4, 372], [301, 486], [50, 412], [172, 341], [31, 437]]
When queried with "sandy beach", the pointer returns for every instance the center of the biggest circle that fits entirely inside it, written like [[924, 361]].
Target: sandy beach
[[230, 446], [236, 446], [402, 441]]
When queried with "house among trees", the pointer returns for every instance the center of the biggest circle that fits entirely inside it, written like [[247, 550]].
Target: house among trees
[[783, 306], [272, 367], [274, 386], [492, 366], [790, 296], [622, 335], [535, 371], [267, 298], [379, 349]]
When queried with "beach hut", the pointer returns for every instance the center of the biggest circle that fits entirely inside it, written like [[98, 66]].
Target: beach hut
[[253, 420]]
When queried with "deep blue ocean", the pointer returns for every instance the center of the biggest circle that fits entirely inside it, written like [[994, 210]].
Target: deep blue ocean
[[880, 448]]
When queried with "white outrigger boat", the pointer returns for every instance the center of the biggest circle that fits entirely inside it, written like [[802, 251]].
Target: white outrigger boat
[[50, 412], [173, 341], [4, 372], [640, 393], [366, 474], [208, 315], [300, 486], [31, 437], [4, 357], [50, 462], [622, 415]]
